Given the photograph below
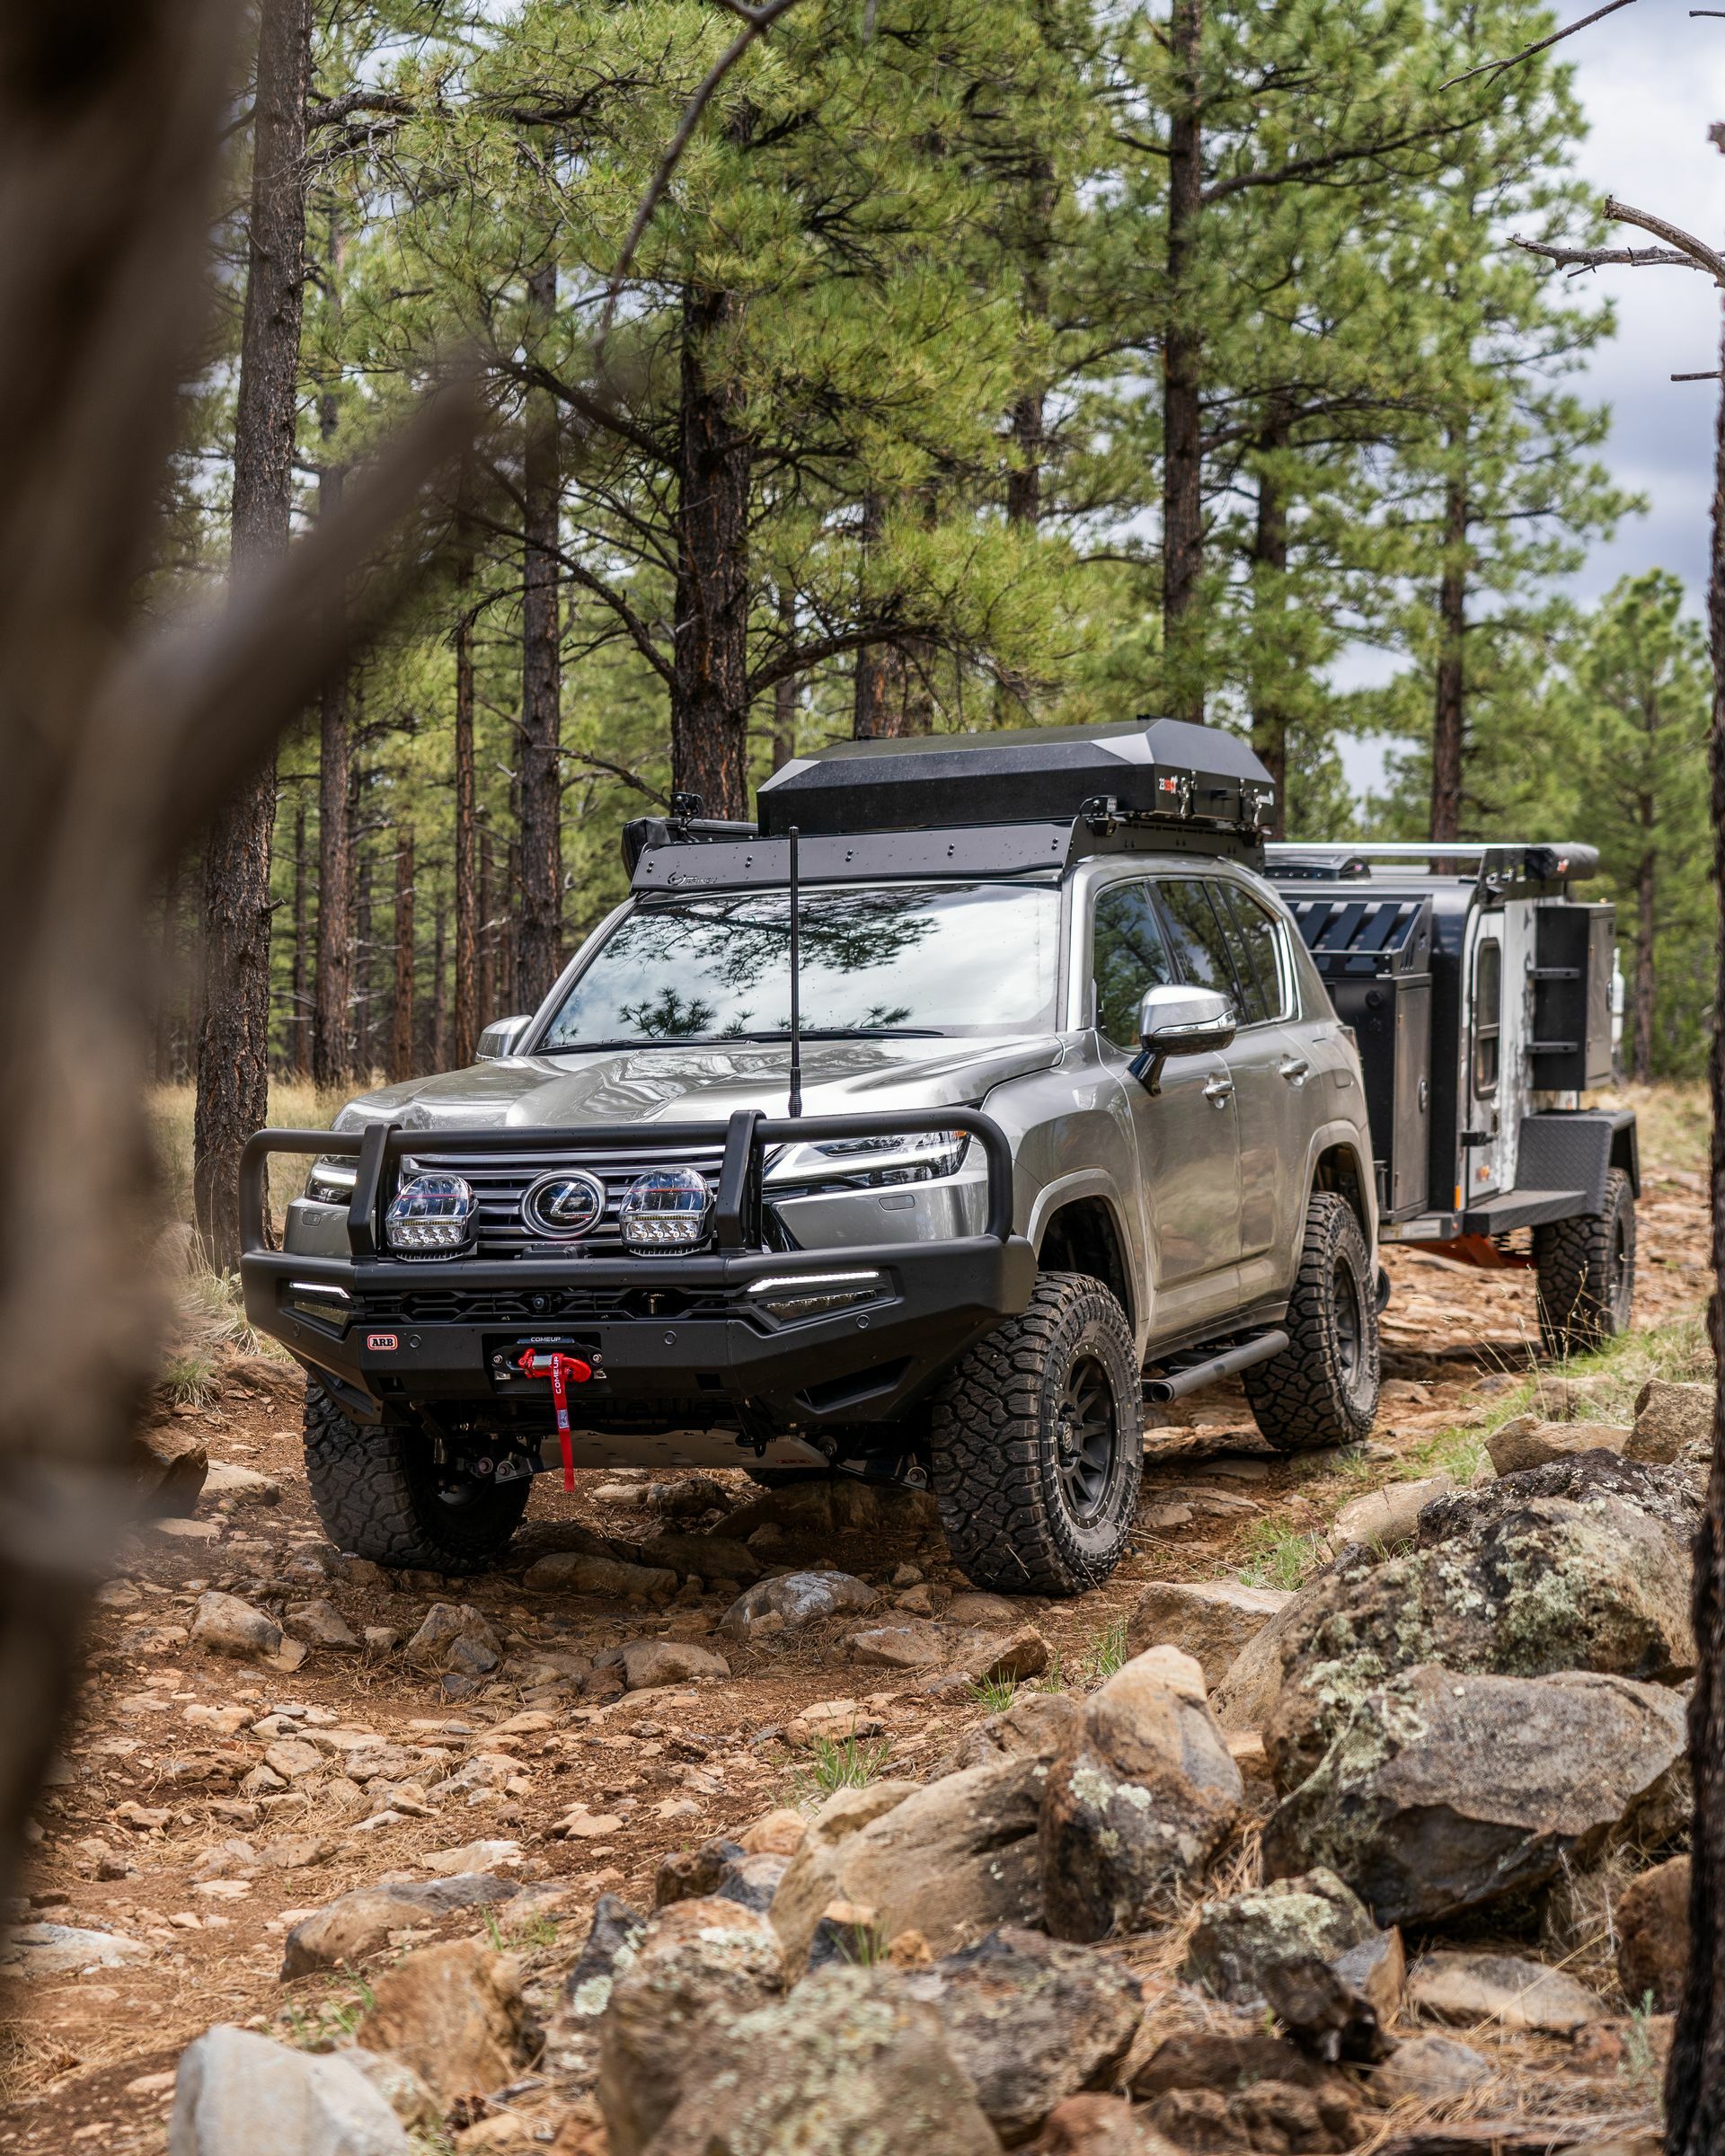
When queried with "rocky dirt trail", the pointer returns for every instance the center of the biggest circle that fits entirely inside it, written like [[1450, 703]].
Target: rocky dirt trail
[[269, 1728]]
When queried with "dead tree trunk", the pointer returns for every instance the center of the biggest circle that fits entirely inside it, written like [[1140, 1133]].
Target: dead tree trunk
[[710, 638], [1449, 711], [401, 1022], [539, 946], [1182, 480], [1694, 2080], [468, 1019], [233, 1042]]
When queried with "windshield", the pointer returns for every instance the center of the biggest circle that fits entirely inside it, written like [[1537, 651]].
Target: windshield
[[975, 959]]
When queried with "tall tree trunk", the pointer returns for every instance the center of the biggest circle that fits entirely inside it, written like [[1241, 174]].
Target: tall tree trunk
[[487, 983], [401, 1023], [539, 945], [234, 1041], [869, 679], [784, 691], [1646, 881], [1030, 412], [299, 1028], [710, 638], [436, 1033], [1182, 352], [1449, 712], [1694, 2080], [467, 1019], [364, 968], [1268, 610], [332, 1042]]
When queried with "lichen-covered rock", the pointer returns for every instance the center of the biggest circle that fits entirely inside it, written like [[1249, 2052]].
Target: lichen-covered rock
[[1237, 1939], [1547, 1585], [610, 1946], [1445, 1792], [951, 1860], [1652, 1922], [1137, 1803], [1669, 1417], [1030, 2021], [1670, 1495], [696, 1960], [847, 2063], [1211, 1620]]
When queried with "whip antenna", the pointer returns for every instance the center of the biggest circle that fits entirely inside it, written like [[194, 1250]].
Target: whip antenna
[[795, 1104]]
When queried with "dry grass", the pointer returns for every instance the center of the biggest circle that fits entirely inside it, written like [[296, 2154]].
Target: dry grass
[[292, 1106]]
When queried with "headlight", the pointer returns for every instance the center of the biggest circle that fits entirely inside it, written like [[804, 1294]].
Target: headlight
[[812, 1295], [330, 1181], [665, 1209], [871, 1164], [430, 1214]]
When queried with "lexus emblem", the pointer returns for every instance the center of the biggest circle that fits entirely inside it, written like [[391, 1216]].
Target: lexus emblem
[[569, 1204]]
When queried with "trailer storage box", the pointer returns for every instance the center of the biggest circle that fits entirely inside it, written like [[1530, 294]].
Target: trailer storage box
[[1374, 954], [1572, 952]]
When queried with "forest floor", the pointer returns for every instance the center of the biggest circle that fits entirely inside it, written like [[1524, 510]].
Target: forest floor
[[152, 1772]]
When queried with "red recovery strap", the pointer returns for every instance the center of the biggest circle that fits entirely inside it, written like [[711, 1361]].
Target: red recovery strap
[[563, 1371]]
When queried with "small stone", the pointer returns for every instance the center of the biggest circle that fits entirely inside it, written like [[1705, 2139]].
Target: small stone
[[913, 1645], [917, 1602], [1430, 2070], [1095, 2126], [569, 1572], [649, 1664], [1652, 1920], [321, 1624], [30, 1951], [222, 1624], [703, 1557], [380, 1640], [454, 1634], [996, 1611], [293, 1759], [1237, 1939], [833, 1720], [625, 1496], [1667, 1418], [1527, 1442], [1213, 1621], [241, 1485], [775, 1834], [793, 1600], [169, 1466], [688, 1874], [1004, 1657], [1501, 1989], [471, 1857], [357, 1924], [1389, 1518], [907, 1575]]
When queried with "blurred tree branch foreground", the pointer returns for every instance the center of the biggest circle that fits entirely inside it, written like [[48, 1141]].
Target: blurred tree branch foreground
[[118, 742]]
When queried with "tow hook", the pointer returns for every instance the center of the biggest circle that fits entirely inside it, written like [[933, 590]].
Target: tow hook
[[563, 1371]]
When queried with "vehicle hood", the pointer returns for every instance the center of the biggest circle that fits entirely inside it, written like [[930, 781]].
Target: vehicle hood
[[699, 1085]]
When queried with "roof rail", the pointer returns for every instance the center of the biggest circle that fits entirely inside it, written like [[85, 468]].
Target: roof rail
[[1518, 858]]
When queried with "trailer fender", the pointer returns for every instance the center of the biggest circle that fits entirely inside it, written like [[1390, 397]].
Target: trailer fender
[[1575, 1149]]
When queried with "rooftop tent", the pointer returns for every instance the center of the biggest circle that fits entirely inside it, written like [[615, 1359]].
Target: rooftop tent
[[1037, 775]]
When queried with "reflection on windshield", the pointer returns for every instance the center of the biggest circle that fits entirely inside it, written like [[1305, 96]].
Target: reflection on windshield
[[977, 958]]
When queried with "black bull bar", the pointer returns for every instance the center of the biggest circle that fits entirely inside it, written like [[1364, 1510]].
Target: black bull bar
[[853, 1365]]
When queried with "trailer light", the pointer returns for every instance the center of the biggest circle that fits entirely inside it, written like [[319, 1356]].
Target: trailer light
[[430, 1216], [812, 1295], [665, 1209], [330, 1181]]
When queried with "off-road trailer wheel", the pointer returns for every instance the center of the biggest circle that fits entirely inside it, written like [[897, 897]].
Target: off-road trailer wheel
[[1036, 1443], [381, 1494], [1322, 1388], [1586, 1269]]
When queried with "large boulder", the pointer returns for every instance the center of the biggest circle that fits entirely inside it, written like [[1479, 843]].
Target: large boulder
[[1238, 1938], [1212, 1620], [848, 2065], [452, 2013], [1671, 1495], [353, 1925], [237, 2094], [1548, 1585], [1668, 1418], [1030, 2021], [1445, 1792], [1137, 1803], [693, 1960], [1652, 1923], [951, 1860]]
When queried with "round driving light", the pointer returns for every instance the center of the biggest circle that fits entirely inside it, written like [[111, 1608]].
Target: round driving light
[[665, 1209], [430, 1215]]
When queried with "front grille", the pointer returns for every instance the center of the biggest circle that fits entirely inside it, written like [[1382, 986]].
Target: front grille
[[500, 1180], [536, 1306]]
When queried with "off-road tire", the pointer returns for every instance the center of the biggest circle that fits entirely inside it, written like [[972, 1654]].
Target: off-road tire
[[1585, 1272], [376, 1492], [1013, 1519], [1322, 1388]]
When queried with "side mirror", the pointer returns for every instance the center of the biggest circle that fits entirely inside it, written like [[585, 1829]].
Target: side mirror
[[502, 1038], [1180, 1021]]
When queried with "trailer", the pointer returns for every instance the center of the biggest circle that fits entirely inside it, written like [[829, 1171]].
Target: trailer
[[1485, 1000]]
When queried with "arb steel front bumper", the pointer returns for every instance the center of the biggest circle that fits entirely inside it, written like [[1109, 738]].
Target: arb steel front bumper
[[732, 1335]]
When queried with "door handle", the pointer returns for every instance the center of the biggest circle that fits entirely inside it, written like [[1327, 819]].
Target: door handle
[[1296, 1069], [1219, 1091]]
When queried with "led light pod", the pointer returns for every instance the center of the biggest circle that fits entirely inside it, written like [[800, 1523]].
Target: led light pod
[[665, 1209], [430, 1216]]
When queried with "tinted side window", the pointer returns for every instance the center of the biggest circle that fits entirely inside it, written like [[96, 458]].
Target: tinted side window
[[1257, 942], [1130, 956], [1201, 946], [1488, 1013]]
